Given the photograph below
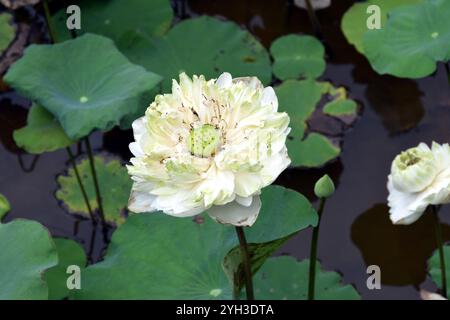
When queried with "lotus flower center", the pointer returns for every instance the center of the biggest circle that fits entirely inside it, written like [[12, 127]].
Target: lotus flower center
[[204, 141], [215, 292], [434, 35], [408, 159], [84, 99]]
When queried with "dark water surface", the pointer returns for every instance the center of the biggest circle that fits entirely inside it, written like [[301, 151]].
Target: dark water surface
[[356, 230]]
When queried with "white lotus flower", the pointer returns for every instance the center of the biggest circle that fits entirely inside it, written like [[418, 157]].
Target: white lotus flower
[[419, 177], [209, 145]]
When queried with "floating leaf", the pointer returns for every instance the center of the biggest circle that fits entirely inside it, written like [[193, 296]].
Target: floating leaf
[[312, 141], [85, 83], [190, 47], [42, 133], [7, 31], [4, 206], [434, 268], [354, 21], [27, 251], [283, 278], [297, 57], [69, 253], [116, 19], [155, 256], [114, 184], [340, 107], [414, 39]]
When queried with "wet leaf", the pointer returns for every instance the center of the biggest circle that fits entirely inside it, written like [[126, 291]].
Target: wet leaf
[[297, 57], [116, 19], [4, 206], [155, 256], [311, 105], [284, 278], [69, 253], [189, 47], [42, 133], [7, 31], [414, 39], [27, 251], [434, 268], [340, 107], [85, 83], [114, 183], [354, 21]]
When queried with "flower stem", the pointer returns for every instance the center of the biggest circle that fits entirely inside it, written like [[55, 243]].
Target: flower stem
[[94, 177], [48, 20], [83, 191], [314, 21], [247, 265], [313, 253], [438, 231]]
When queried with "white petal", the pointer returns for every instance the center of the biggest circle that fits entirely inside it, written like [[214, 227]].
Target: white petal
[[225, 80], [401, 211], [269, 97], [139, 128], [235, 214], [136, 149], [141, 202], [244, 201], [426, 295]]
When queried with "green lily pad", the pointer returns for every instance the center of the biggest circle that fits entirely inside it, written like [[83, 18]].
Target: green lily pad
[[114, 184], [116, 19], [340, 107], [311, 105], [354, 21], [27, 251], [42, 133], [284, 278], [190, 47], [85, 83], [4, 206], [414, 40], [7, 31], [155, 256], [434, 268], [297, 57], [69, 253]]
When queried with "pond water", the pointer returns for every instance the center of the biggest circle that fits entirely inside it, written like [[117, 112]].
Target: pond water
[[355, 230]]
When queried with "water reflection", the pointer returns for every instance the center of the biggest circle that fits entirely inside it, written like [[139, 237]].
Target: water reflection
[[400, 251]]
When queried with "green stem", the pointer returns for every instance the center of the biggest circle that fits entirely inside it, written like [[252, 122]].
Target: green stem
[[94, 177], [83, 191], [247, 264], [439, 241], [48, 20], [313, 18], [313, 253]]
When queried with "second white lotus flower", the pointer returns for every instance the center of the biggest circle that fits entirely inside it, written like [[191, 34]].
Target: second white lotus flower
[[208, 146], [419, 177]]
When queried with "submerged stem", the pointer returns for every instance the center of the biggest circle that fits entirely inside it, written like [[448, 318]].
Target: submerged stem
[[247, 265], [94, 177], [447, 68], [48, 20], [313, 253], [83, 191], [439, 241]]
